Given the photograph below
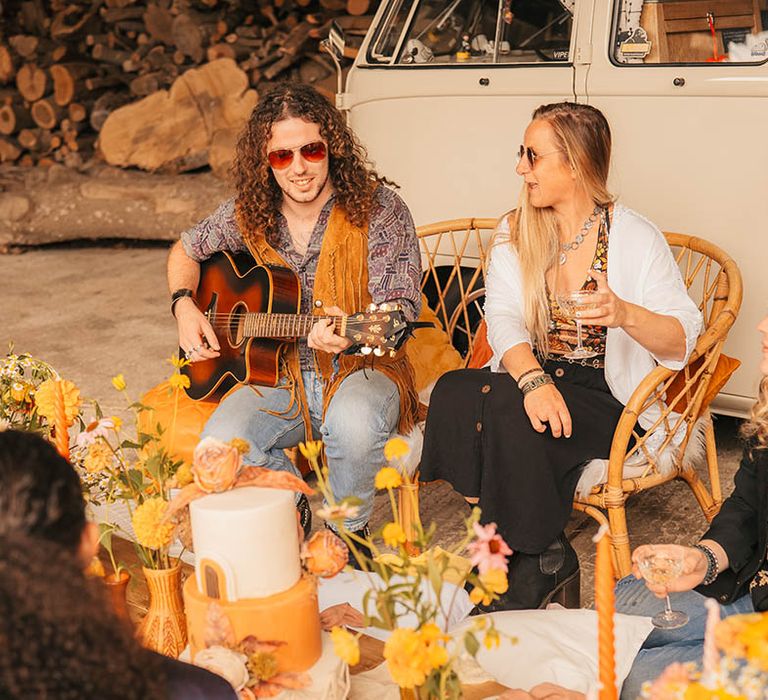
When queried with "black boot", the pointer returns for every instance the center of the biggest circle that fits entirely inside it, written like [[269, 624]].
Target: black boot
[[305, 515], [535, 580]]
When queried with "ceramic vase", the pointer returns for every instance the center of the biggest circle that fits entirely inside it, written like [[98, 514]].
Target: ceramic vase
[[164, 629]]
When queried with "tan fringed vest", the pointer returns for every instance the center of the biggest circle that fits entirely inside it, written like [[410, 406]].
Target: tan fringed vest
[[341, 280]]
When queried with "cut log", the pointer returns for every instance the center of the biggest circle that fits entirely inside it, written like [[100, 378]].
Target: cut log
[[77, 111], [67, 79], [25, 45], [73, 19], [168, 129], [34, 18], [37, 140], [159, 23], [187, 37], [120, 14], [9, 151], [105, 81], [217, 51], [31, 82], [7, 65], [358, 7], [46, 113], [106, 55], [105, 105], [14, 117], [147, 84]]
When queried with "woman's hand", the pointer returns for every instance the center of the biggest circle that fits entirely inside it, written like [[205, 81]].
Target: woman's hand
[[322, 337], [694, 567], [196, 335], [341, 615], [610, 310], [546, 404]]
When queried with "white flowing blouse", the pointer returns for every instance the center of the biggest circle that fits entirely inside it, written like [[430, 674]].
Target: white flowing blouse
[[641, 270]]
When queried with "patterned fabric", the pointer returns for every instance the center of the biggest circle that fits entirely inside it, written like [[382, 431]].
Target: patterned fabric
[[394, 262], [563, 335]]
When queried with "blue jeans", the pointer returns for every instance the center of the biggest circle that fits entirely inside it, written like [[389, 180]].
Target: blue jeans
[[663, 647], [361, 417]]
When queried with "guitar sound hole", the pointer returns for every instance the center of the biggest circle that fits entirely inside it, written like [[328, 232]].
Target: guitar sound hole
[[236, 325]]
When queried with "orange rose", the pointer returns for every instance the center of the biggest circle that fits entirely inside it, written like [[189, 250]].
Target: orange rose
[[215, 465], [325, 554]]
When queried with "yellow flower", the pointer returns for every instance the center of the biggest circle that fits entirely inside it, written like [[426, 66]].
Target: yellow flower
[[179, 381], [45, 400], [492, 638], [242, 446], [311, 450], [493, 581], [184, 475], [148, 525], [437, 654], [117, 422], [20, 392], [95, 569], [99, 456], [388, 478], [178, 362], [393, 535], [404, 652], [118, 381], [396, 448], [345, 645]]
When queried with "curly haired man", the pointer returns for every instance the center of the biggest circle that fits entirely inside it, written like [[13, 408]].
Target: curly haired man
[[308, 199]]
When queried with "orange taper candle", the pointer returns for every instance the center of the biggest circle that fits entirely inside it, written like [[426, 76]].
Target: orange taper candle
[[604, 602], [60, 423]]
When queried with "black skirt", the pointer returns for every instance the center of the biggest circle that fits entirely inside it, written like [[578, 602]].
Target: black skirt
[[479, 439]]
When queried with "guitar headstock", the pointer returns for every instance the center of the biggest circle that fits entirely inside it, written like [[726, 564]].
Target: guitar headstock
[[381, 328]]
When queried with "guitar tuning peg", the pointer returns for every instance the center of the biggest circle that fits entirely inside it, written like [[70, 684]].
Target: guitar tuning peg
[[378, 351], [366, 350], [392, 353]]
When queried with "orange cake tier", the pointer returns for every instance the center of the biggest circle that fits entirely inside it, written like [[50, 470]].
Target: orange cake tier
[[291, 617]]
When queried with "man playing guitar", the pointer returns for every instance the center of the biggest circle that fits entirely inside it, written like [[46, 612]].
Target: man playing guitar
[[307, 199]]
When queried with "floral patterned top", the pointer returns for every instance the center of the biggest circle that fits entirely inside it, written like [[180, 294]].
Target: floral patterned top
[[562, 334]]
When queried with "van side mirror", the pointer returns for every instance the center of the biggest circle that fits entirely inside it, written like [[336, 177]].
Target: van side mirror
[[334, 45]]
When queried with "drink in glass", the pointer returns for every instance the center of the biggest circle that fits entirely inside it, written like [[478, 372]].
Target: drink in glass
[[660, 569], [570, 303]]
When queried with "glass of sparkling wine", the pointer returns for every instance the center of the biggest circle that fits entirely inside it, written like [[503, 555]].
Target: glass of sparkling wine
[[661, 568], [570, 303]]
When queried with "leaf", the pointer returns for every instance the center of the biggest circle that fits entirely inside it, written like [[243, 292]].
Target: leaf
[[471, 644], [129, 445], [435, 575]]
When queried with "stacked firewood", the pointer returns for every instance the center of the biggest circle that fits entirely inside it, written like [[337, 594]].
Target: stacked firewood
[[65, 65]]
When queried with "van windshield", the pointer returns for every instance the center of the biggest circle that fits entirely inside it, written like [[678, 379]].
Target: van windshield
[[467, 31]]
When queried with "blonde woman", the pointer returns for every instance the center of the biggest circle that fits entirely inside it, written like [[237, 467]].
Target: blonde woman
[[728, 564], [516, 437]]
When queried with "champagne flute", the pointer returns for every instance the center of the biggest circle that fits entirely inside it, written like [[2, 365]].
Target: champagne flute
[[571, 303], [660, 568]]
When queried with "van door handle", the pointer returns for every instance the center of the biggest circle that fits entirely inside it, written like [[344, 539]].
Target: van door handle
[[678, 82]]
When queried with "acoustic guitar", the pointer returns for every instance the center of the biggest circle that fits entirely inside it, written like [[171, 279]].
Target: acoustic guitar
[[254, 310]]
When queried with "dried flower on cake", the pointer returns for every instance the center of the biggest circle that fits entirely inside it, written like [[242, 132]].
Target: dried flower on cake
[[215, 465], [345, 645], [489, 550], [151, 528], [229, 664], [324, 554]]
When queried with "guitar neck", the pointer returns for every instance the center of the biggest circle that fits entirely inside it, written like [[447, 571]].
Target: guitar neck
[[263, 325]]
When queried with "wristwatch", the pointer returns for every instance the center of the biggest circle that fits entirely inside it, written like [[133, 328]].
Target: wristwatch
[[178, 294], [712, 566]]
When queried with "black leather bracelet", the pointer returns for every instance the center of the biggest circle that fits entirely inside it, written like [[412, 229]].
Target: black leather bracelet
[[178, 294], [712, 566]]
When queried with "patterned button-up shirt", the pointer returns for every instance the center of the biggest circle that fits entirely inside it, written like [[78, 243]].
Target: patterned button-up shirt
[[394, 263]]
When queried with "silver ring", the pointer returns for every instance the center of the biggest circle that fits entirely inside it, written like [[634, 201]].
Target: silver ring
[[197, 348], [187, 354]]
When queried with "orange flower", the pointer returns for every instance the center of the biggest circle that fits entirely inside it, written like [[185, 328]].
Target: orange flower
[[215, 465], [325, 554]]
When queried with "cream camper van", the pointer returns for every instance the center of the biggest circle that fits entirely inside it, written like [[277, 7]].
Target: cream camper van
[[441, 91]]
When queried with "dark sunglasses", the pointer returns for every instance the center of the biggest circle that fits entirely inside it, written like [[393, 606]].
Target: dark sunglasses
[[311, 152], [532, 156]]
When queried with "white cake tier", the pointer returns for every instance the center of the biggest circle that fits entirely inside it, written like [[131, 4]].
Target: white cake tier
[[248, 539]]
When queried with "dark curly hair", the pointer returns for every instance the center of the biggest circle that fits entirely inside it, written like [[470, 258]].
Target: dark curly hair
[[58, 634], [258, 195]]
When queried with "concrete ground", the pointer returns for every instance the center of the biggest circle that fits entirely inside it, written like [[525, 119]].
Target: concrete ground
[[94, 311]]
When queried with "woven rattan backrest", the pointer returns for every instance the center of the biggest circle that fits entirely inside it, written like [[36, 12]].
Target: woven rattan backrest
[[454, 255], [714, 283]]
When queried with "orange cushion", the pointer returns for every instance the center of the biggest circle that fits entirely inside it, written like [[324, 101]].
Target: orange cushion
[[191, 416], [724, 368], [430, 351], [481, 349]]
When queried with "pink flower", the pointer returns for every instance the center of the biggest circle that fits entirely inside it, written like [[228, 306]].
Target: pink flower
[[488, 551]]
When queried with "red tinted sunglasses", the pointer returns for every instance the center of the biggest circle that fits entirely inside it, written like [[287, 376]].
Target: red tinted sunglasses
[[311, 152]]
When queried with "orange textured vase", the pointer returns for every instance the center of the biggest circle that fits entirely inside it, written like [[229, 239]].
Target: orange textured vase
[[164, 629], [118, 592], [408, 510]]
